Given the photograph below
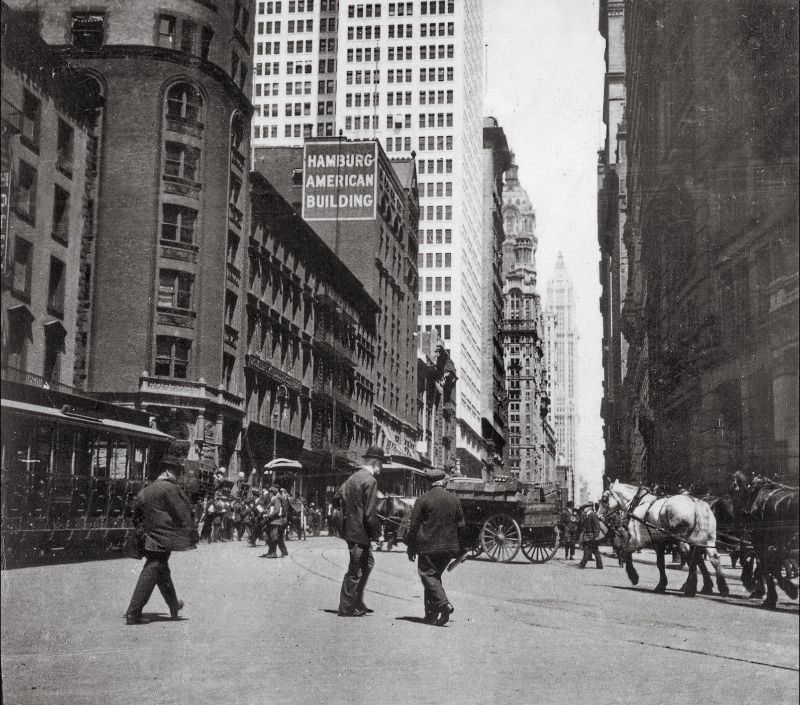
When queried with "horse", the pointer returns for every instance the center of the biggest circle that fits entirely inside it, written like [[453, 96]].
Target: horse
[[394, 513], [769, 510], [657, 521]]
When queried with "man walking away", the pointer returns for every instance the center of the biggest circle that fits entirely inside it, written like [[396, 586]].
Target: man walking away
[[568, 525], [360, 526], [163, 516], [276, 520], [592, 535], [434, 538]]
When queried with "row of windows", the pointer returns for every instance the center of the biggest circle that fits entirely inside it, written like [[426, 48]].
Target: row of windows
[[359, 99], [300, 46], [435, 142], [182, 34], [398, 144], [441, 7], [359, 77], [437, 188], [436, 237], [442, 213], [433, 74], [438, 308], [438, 166], [368, 10], [324, 129], [367, 54], [434, 259], [292, 27], [364, 32], [355, 122], [438, 283]]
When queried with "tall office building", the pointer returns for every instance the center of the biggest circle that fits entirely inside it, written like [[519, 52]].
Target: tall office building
[[409, 74], [531, 449], [561, 306]]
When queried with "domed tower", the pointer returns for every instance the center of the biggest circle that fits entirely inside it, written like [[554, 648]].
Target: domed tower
[[519, 225], [171, 159]]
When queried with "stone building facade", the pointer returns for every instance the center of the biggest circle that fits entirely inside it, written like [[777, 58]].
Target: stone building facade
[[531, 448], [47, 194], [611, 216], [436, 401], [494, 400], [711, 309]]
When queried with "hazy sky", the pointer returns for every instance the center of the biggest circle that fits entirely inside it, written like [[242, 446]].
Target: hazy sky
[[545, 87]]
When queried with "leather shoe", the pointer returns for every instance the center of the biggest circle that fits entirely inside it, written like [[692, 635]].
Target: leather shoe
[[355, 613], [131, 619], [366, 609], [173, 612], [444, 614]]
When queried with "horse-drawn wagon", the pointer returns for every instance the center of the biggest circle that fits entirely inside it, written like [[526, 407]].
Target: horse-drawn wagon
[[506, 516]]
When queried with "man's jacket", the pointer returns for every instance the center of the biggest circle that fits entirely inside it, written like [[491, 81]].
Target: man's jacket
[[436, 523], [360, 522], [164, 514]]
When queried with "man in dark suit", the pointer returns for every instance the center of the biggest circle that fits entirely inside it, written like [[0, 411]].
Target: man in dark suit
[[165, 522], [276, 519], [593, 533], [434, 536], [360, 526]]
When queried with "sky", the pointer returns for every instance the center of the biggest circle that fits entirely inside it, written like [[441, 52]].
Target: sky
[[544, 84]]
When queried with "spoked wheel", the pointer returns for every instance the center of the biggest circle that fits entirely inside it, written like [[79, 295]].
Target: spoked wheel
[[541, 545], [501, 538]]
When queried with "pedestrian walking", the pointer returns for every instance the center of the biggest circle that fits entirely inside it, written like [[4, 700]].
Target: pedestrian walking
[[434, 539], [569, 524], [164, 522], [593, 533], [360, 526], [276, 525]]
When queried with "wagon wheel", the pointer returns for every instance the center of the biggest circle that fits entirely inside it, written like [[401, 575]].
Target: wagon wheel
[[501, 538], [541, 546]]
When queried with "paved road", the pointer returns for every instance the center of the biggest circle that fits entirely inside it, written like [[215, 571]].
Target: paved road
[[262, 632]]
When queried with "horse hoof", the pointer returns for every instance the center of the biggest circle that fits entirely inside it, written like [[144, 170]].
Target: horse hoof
[[724, 592], [769, 604], [707, 591], [660, 588]]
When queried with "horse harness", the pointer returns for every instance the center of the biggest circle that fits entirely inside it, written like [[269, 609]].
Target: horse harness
[[641, 493]]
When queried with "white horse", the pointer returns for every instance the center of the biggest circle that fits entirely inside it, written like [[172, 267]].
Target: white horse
[[656, 521]]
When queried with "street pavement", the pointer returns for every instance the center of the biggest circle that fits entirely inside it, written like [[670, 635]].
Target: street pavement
[[259, 631]]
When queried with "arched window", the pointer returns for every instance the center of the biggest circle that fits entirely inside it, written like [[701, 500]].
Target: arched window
[[184, 103]]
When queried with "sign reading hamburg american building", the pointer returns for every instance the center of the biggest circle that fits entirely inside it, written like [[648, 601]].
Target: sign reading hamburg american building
[[339, 180]]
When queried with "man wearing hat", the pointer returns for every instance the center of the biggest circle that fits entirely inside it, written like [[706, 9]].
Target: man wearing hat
[[163, 516], [276, 521], [360, 526], [434, 536]]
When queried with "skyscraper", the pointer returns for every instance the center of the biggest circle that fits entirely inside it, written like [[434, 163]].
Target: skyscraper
[[531, 447], [561, 306], [409, 74]]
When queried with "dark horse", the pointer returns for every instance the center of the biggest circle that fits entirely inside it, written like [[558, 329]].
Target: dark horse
[[769, 511], [395, 514]]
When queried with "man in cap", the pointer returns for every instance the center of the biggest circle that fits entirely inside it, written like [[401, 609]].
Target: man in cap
[[276, 521], [163, 516], [360, 526], [434, 536]]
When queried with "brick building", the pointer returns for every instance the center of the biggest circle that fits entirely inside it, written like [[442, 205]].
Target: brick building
[[711, 308], [173, 77], [380, 248], [310, 349]]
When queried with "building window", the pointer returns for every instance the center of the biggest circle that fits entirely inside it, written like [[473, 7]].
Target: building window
[[31, 118], [172, 356], [25, 195], [232, 248], [181, 161], [64, 147], [61, 214], [205, 42], [166, 31], [175, 289], [23, 266], [228, 362], [188, 36], [230, 308], [184, 103], [55, 287], [178, 224], [87, 30]]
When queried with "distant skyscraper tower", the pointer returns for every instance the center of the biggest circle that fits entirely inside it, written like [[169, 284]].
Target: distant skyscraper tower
[[410, 75], [561, 306]]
